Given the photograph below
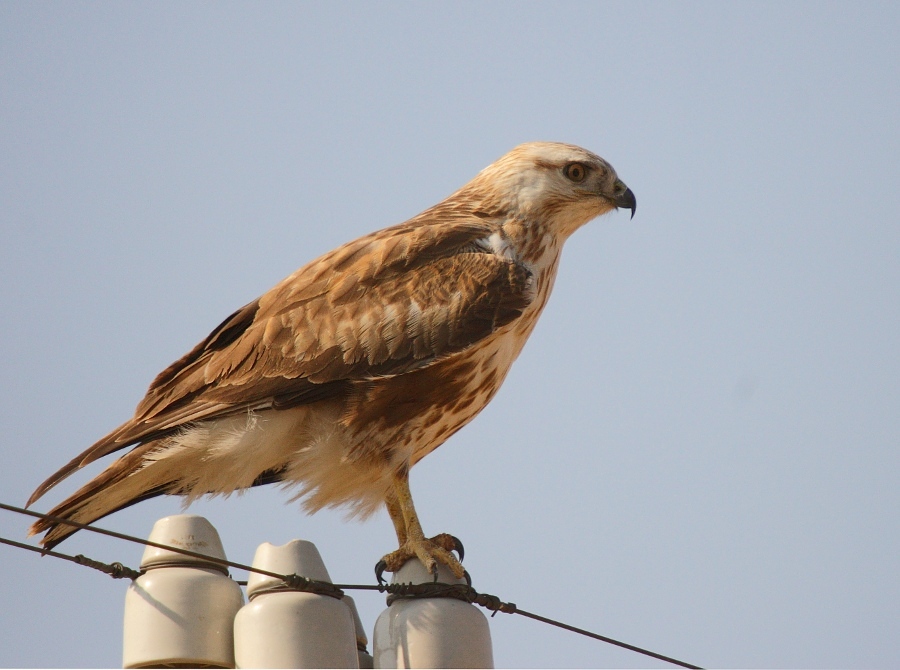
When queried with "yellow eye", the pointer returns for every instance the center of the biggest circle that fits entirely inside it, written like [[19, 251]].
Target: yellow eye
[[576, 172]]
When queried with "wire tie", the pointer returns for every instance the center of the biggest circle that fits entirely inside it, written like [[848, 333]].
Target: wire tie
[[494, 604], [115, 570], [295, 582], [440, 590]]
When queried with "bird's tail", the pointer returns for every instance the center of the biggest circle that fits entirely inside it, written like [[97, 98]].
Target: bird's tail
[[129, 480], [213, 457]]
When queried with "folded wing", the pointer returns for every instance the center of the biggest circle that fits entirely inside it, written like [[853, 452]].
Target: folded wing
[[388, 303]]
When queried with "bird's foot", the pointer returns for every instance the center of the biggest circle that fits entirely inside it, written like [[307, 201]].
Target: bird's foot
[[430, 551]]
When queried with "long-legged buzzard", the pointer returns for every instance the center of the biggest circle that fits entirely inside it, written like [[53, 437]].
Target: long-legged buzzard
[[347, 373]]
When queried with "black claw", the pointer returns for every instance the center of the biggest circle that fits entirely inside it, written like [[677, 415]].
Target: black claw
[[380, 567], [459, 548], [468, 577], [434, 571]]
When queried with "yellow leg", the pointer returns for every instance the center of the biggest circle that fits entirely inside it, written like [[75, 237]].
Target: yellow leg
[[405, 502], [393, 508], [413, 543]]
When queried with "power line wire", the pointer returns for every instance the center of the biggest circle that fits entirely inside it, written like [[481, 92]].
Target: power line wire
[[459, 591], [609, 640], [114, 570]]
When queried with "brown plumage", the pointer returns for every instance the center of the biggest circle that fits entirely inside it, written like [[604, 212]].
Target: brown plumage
[[352, 369]]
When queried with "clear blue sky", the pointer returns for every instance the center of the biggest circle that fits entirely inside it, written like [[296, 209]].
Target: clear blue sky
[[697, 451]]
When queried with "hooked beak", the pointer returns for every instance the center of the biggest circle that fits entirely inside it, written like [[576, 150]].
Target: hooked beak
[[625, 197]]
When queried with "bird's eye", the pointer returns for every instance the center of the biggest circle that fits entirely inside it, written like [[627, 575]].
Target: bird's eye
[[575, 172]]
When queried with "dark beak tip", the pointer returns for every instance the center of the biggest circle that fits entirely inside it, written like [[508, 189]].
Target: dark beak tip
[[627, 201]]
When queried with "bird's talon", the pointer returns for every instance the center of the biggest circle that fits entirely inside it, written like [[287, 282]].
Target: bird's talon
[[431, 553], [380, 567], [459, 547], [468, 577]]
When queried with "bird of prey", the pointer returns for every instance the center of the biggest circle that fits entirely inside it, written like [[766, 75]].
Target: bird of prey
[[351, 370]]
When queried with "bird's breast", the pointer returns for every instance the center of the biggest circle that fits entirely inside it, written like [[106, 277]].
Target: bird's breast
[[405, 417]]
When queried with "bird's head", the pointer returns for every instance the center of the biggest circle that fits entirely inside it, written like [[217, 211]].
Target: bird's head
[[560, 185]]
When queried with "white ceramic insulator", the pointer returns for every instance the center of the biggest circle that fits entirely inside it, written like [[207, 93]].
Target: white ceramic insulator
[[366, 662], [431, 632], [181, 611], [280, 628]]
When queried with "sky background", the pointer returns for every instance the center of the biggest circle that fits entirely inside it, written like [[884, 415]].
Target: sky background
[[697, 451]]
